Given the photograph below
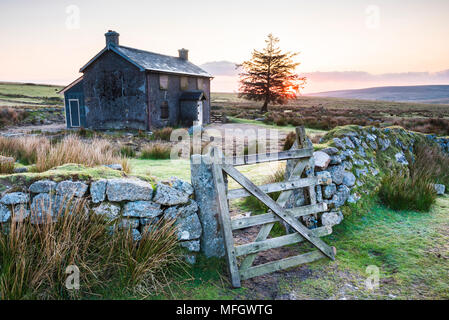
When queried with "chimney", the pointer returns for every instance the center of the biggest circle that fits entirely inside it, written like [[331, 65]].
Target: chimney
[[111, 38], [183, 54]]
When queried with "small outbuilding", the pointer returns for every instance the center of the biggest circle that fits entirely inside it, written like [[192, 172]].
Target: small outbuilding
[[128, 88]]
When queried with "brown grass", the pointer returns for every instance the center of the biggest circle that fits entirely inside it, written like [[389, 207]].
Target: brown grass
[[34, 257], [6, 165], [155, 151], [11, 116], [71, 149], [163, 134]]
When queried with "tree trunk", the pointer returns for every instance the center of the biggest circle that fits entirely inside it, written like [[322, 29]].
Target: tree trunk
[[264, 107]]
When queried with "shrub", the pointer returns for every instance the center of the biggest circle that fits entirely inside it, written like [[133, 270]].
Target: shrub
[[155, 151], [289, 141], [34, 257], [403, 191], [11, 116], [163, 134]]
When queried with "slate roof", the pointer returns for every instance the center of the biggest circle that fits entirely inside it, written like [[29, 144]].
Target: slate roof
[[155, 62], [192, 95]]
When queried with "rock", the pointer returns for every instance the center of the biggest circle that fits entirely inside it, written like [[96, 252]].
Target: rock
[[341, 196], [348, 143], [400, 158], [335, 159], [169, 196], [142, 209], [44, 208], [359, 163], [348, 165], [181, 185], [347, 154], [353, 198], [348, 178], [357, 142], [337, 173], [374, 171], [20, 170], [322, 160], [136, 235], [373, 145], [189, 228], [181, 211], [71, 189], [440, 189], [329, 191], [128, 224], [361, 152], [371, 137], [42, 186], [187, 221], [5, 213], [20, 213], [331, 151], [361, 172], [109, 210], [324, 176], [331, 218], [192, 246], [190, 258], [128, 189], [15, 198], [115, 166], [339, 144], [98, 190]]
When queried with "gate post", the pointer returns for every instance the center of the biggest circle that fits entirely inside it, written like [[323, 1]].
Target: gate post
[[212, 243]]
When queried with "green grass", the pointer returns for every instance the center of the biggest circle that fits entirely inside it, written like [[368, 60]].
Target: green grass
[[12, 94], [287, 128], [409, 248]]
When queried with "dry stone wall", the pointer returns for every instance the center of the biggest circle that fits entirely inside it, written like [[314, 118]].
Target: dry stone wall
[[130, 203]]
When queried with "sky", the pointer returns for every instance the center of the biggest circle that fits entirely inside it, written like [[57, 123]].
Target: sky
[[341, 43]]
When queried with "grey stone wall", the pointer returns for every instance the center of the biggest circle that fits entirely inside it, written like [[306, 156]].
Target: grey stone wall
[[130, 203]]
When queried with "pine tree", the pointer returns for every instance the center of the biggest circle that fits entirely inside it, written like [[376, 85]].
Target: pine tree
[[270, 75]]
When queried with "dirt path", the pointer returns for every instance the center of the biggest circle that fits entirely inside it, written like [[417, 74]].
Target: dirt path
[[54, 127]]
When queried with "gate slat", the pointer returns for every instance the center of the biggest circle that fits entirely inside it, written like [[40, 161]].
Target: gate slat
[[225, 220], [279, 186], [284, 215], [246, 222], [282, 200], [277, 242], [280, 264], [268, 157]]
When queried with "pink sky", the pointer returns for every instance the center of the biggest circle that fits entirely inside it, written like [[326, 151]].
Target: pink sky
[[351, 43]]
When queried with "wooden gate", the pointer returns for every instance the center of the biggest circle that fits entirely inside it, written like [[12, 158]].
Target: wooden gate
[[277, 212]]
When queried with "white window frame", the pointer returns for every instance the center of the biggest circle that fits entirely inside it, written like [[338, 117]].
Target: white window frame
[[79, 114]]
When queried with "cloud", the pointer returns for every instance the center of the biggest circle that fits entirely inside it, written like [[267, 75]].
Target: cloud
[[226, 74]]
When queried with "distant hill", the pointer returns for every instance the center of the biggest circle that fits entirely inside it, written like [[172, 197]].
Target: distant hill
[[434, 94]]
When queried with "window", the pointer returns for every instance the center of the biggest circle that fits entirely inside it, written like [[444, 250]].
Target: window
[[163, 82], [164, 110], [184, 83], [200, 83]]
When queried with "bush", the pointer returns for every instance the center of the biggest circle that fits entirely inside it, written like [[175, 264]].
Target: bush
[[34, 257], [11, 116], [155, 151], [289, 141]]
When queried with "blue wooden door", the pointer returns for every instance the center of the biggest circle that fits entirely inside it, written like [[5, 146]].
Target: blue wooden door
[[74, 109]]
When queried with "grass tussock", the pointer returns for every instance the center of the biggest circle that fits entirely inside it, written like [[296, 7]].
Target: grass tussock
[[6, 165], [71, 149], [35, 257], [155, 151], [11, 116], [414, 189], [163, 134]]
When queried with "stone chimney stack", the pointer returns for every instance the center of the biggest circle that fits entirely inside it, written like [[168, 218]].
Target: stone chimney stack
[[183, 54], [111, 38]]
